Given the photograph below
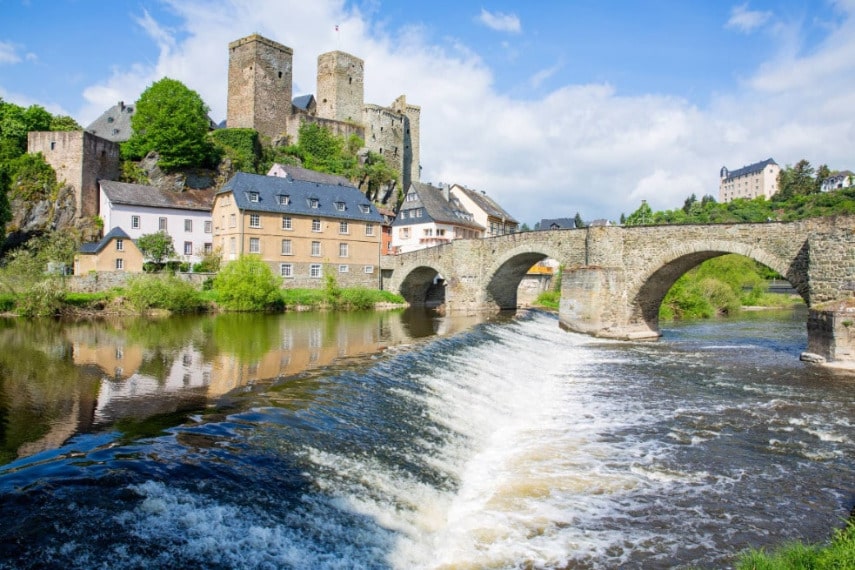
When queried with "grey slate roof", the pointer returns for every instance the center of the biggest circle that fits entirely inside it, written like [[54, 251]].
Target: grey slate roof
[[750, 169], [303, 101], [436, 207], [300, 173], [300, 192], [95, 247], [149, 196], [488, 205], [557, 224], [115, 123]]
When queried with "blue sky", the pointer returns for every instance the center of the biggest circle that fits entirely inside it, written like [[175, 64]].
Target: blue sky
[[551, 108]]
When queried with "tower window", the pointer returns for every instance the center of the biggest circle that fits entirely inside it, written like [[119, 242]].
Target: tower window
[[280, 75]]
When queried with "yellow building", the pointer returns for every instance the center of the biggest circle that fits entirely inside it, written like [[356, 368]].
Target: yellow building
[[758, 179], [304, 230], [115, 252]]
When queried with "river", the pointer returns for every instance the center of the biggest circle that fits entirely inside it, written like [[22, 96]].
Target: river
[[405, 440]]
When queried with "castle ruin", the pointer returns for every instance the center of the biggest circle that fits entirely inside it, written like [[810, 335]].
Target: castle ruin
[[260, 97]]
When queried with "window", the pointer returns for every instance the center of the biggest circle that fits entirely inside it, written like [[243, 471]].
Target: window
[[404, 233], [365, 208], [428, 232], [208, 228], [369, 229], [254, 221], [343, 268], [286, 247], [342, 250], [286, 270], [343, 228], [188, 225], [254, 245], [316, 249], [135, 222], [232, 245], [209, 247], [120, 244], [412, 197], [284, 199], [340, 206], [440, 232], [188, 248], [286, 223], [120, 264], [368, 269], [315, 270], [253, 196], [316, 225], [161, 224], [314, 202]]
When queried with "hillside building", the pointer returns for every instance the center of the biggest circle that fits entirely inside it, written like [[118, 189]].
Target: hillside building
[[431, 216], [758, 179], [486, 211]]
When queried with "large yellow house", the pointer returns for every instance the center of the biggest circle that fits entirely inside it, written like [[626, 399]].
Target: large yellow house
[[304, 230]]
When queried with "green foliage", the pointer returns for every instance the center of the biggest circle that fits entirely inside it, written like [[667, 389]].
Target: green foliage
[[15, 123], [43, 299], [75, 299], [157, 247], [837, 555], [27, 266], [332, 291], [171, 120], [64, 123], [163, 292], [314, 298], [642, 216], [7, 302], [241, 146], [577, 220], [32, 179], [247, 284], [548, 300], [5, 208], [335, 297], [210, 262], [133, 173]]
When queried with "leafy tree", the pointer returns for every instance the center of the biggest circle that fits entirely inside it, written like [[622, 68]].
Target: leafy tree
[[15, 123], [31, 178], [247, 284], [690, 201], [797, 180], [157, 247], [641, 217], [172, 120], [64, 123], [577, 220]]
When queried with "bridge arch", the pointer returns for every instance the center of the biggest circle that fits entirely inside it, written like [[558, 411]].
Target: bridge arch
[[504, 274], [647, 292], [414, 281]]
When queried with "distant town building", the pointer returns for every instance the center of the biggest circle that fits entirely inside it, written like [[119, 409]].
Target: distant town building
[[486, 211], [431, 216], [758, 179], [556, 224], [838, 180], [114, 124]]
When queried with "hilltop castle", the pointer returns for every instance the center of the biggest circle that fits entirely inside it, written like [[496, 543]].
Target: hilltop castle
[[260, 97]]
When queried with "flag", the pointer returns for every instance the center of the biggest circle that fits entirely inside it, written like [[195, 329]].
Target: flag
[[336, 27]]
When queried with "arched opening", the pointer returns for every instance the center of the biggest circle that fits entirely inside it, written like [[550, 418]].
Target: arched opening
[[423, 287], [503, 290], [710, 283]]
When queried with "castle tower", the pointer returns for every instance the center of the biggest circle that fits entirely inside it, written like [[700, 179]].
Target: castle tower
[[260, 78], [340, 86]]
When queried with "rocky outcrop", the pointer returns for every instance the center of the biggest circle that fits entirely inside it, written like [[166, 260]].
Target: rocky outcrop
[[36, 217]]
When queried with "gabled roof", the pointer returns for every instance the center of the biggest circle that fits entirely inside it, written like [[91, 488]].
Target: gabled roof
[[95, 247], [303, 101], [750, 169], [487, 204], [257, 193], [115, 123], [300, 173], [151, 197], [557, 224], [437, 208]]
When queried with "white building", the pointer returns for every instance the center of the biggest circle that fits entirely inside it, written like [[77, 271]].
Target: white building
[[758, 179], [141, 210], [486, 211], [431, 216]]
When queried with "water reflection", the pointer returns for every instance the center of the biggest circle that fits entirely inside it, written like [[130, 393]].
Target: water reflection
[[59, 380]]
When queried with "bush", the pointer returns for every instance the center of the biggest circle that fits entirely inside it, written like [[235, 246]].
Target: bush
[[44, 299], [241, 146], [314, 298], [7, 302], [163, 292], [247, 284], [548, 299]]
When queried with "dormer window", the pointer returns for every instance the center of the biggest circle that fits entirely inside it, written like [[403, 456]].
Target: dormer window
[[365, 208], [340, 206], [253, 196], [314, 203], [284, 199]]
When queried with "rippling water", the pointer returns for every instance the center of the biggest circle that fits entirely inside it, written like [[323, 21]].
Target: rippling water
[[513, 444]]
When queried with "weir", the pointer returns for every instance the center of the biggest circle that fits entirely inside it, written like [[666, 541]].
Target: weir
[[614, 278]]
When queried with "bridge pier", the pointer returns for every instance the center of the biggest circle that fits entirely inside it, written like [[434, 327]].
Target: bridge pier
[[831, 335]]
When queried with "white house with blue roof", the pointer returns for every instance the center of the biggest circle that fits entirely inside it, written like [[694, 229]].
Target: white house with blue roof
[[304, 230]]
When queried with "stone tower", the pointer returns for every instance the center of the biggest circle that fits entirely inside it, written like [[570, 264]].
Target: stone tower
[[341, 91], [259, 85]]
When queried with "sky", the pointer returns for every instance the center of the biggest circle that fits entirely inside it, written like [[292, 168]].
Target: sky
[[551, 108]]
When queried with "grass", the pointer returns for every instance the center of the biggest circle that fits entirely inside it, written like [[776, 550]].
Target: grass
[[839, 554], [548, 300]]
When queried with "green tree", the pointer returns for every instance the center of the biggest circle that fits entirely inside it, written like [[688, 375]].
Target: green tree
[[172, 120], [577, 220], [15, 123], [64, 123], [247, 284], [157, 247], [796, 180], [5, 209], [641, 217], [31, 178]]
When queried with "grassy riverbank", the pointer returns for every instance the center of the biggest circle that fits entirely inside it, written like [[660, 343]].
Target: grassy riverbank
[[837, 555]]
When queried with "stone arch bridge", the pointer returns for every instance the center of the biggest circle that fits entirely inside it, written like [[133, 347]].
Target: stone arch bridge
[[615, 278]]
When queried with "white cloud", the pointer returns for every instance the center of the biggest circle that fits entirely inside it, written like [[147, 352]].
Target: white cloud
[[746, 21], [584, 148], [500, 22], [8, 53]]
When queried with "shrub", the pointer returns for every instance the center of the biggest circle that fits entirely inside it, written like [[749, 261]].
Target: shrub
[[7, 302], [247, 284], [548, 299], [44, 299], [357, 298], [163, 292]]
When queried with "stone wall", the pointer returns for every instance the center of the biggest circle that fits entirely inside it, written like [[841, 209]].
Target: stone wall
[[106, 280]]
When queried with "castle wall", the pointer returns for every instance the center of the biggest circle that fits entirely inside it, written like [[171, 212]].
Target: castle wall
[[260, 85], [338, 128], [341, 91], [80, 159]]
